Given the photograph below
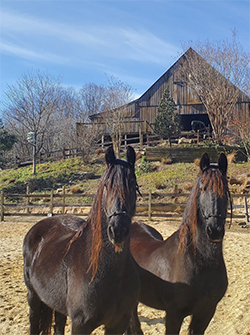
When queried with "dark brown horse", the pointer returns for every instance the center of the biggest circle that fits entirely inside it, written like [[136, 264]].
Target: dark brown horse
[[191, 260], [84, 269]]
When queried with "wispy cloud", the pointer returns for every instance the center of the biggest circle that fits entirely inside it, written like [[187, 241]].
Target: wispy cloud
[[98, 41], [146, 47], [32, 26], [31, 54]]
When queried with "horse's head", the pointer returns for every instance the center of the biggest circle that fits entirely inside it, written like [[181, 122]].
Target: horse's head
[[119, 195], [213, 199]]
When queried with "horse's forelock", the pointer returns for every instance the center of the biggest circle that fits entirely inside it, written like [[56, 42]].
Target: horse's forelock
[[118, 182], [213, 179]]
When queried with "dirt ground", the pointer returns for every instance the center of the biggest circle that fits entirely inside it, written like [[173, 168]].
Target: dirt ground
[[232, 315]]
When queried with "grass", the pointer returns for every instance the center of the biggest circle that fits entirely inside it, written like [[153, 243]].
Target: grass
[[167, 179], [49, 176], [79, 177]]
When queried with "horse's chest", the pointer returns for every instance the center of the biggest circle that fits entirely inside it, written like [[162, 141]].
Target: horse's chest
[[109, 294], [210, 283]]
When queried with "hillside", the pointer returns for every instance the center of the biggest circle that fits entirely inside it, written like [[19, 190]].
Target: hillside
[[78, 177]]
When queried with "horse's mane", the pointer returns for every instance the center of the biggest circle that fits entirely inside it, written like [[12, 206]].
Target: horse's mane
[[114, 188], [210, 179], [117, 186]]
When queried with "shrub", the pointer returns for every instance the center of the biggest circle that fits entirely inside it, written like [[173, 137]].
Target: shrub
[[145, 165]]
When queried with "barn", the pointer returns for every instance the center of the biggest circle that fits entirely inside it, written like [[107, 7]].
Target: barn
[[139, 115]]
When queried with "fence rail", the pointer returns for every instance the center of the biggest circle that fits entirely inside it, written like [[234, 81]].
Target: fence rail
[[146, 206], [137, 140]]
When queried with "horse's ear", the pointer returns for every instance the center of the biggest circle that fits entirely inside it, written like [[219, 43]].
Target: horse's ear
[[222, 163], [131, 156], [110, 156], [204, 162]]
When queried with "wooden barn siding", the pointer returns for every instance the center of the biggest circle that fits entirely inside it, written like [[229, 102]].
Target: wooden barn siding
[[185, 98]]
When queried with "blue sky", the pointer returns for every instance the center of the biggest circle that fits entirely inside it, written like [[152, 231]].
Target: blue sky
[[85, 41]]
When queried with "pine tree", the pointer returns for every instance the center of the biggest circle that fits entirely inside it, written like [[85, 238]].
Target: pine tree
[[167, 123], [6, 142]]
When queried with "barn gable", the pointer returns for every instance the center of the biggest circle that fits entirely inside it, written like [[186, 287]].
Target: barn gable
[[144, 109]]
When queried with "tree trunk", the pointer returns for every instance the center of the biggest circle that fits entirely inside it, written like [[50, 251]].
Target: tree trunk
[[34, 160]]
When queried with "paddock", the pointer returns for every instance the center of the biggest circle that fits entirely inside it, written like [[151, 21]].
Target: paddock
[[232, 316]]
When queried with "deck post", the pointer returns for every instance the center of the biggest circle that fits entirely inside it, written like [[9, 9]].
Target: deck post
[[149, 205], [51, 202], [28, 198], [2, 206]]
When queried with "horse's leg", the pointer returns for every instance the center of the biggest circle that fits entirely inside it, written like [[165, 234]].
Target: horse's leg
[[173, 322], [134, 324], [40, 315], [120, 327], [34, 313], [60, 322], [201, 320], [78, 325]]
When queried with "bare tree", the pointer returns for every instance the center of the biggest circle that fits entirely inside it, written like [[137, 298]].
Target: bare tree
[[29, 109], [87, 138], [91, 97], [240, 130], [63, 134], [218, 80], [117, 95]]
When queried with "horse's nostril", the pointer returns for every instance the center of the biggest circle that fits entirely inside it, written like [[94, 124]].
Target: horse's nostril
[[111, 232], [118, 234], [209, 230]]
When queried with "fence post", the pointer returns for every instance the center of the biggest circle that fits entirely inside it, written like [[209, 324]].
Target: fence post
[[246, 212], [140, 138], [28, 198], [149, 205], [63, 199], [2, 206], [125, 140], [51, 202]]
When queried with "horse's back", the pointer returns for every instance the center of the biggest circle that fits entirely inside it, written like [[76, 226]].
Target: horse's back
[[145, 245], [49, 228], [139, 228]]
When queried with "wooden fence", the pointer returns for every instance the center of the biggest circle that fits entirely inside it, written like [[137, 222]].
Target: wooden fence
[[149, 205], [139, 140]]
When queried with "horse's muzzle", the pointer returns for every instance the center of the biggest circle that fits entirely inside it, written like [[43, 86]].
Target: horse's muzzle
[[118, 234], [215, 233]]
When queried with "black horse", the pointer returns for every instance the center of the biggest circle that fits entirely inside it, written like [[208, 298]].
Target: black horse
[[191, 260], [84, 269]]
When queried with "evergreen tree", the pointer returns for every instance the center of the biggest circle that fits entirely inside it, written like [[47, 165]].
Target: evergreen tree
[[167, 123], [6, 142]]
